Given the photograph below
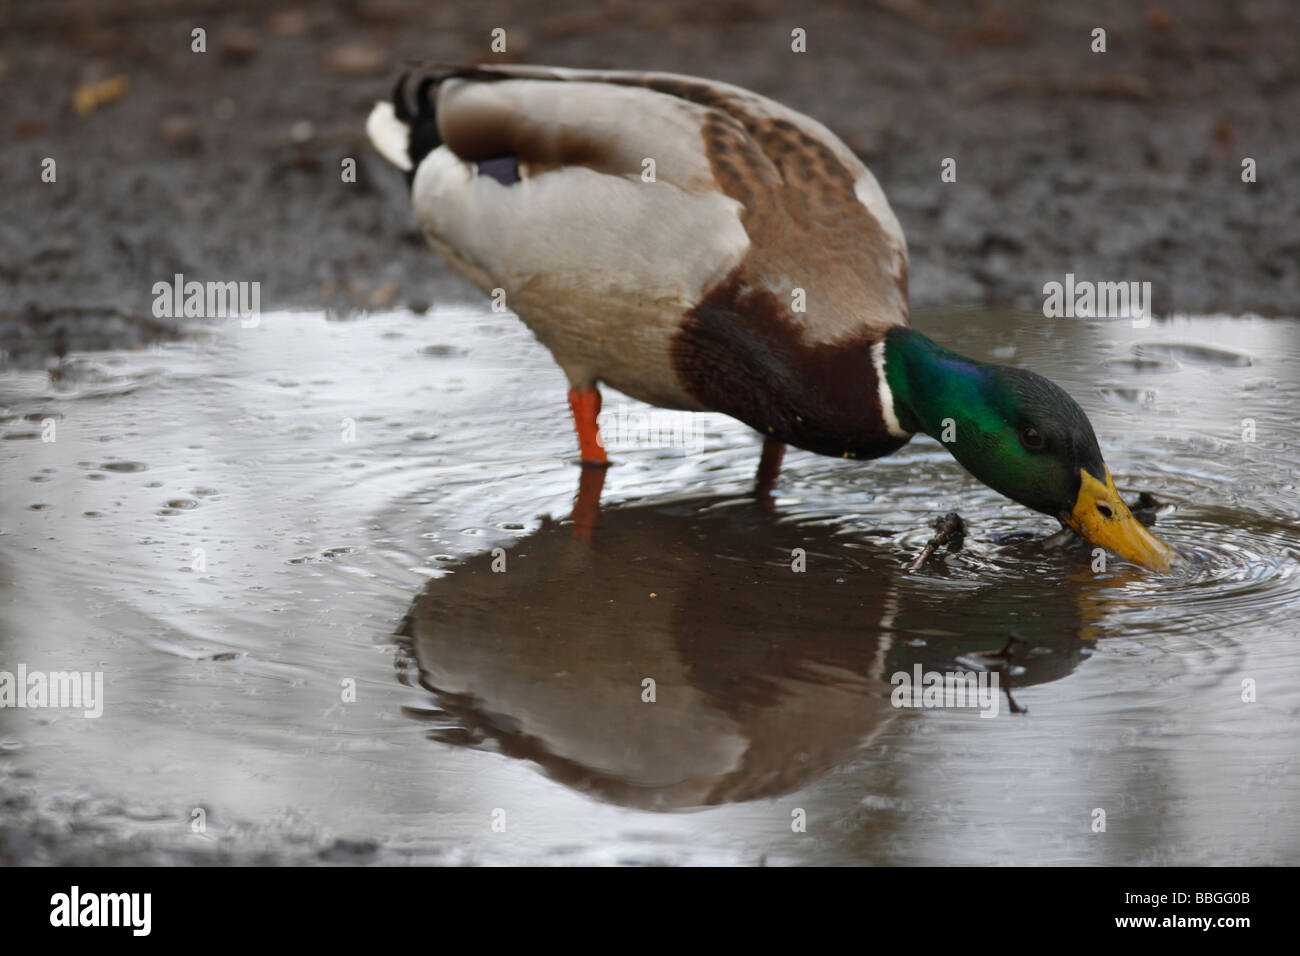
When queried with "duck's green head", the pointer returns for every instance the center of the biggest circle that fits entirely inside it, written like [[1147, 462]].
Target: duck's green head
[[1021, 435]]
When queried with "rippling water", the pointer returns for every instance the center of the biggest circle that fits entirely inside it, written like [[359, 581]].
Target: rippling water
[[327, 571]]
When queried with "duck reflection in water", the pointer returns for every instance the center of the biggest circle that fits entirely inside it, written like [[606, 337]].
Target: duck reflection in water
[[669, 656]]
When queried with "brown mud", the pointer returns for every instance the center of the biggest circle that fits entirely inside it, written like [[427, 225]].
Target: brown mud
[[225, 165]]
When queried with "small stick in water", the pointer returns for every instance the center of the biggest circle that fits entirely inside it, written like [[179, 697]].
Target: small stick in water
[[949, 530]]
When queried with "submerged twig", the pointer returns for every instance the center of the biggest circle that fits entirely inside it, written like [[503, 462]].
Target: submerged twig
[[949, 530]]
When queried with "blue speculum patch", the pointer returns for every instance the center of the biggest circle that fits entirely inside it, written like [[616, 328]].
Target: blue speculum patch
[[503, 169]]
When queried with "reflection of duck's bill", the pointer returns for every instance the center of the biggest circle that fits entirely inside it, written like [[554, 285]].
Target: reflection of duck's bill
[[1102, 518]]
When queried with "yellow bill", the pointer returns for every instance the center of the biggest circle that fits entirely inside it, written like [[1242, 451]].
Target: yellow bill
[[1101, 516]]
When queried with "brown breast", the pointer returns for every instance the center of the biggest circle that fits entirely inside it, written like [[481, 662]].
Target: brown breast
[[739, 352]]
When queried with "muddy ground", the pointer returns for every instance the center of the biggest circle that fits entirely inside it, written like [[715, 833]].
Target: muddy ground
[[225, 165]]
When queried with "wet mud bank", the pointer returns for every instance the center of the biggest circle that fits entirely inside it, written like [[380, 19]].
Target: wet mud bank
[[226, 165]]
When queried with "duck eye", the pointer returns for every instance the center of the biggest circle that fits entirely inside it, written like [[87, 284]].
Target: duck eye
[[1032, 438], [1104, 511]]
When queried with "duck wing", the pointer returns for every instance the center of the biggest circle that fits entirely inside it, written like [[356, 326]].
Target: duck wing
[[662, 184]]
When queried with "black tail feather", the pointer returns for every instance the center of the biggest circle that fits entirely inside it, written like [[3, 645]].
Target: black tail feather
[[423, 102], [401, 109], [422, 120]]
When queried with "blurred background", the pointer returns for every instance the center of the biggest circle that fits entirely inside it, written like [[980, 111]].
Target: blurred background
[[225, 165]]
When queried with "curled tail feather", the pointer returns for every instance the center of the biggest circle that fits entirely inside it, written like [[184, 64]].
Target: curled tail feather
[[405, 133]]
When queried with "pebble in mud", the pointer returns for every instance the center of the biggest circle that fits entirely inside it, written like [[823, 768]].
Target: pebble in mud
[[180, 132], [356, 59], [238, 45]]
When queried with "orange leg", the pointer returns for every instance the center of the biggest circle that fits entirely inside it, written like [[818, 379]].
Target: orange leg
[[586, 507], [769, 466], [585, 404]]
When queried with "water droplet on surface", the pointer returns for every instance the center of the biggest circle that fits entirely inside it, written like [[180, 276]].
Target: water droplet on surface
[[1193, 354], [124, 467]]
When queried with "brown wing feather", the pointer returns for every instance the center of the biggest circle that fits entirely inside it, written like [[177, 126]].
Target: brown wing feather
[[815, 216]]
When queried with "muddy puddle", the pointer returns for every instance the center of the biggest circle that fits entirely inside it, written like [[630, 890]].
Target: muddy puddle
[[328, 574]]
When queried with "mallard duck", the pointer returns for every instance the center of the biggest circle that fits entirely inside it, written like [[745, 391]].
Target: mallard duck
[[700, 247]]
